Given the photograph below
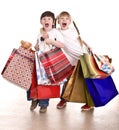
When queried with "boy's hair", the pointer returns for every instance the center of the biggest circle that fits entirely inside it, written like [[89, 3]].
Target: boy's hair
[[64, 13], [49, 14]]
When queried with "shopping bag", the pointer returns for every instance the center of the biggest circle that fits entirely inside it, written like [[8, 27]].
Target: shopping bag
[[42, 77], [90, 68], [9, 59], [42, 91], [104, 64], [48, 91], [101, 90], [76, 89], [19, 70], [56, 65]]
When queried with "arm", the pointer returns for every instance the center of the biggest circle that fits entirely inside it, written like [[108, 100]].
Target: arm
[[82, 42], [54, 42], [37, 45]]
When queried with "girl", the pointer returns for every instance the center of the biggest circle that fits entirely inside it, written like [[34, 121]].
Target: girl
[[47, 38]]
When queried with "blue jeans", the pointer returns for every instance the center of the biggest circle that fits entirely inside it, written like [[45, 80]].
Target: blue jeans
[[63, 88], [42, 102]]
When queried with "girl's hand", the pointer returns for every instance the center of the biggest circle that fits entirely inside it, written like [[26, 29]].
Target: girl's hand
[[36, 47], [45, 35]]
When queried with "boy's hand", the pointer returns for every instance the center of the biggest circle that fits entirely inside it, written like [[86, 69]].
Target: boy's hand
[[48, 41]]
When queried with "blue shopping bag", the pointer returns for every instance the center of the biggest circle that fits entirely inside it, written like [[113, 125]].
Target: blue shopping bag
[[101, 90]]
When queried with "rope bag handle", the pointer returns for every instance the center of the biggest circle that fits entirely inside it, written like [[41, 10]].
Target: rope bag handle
[[79, 37]]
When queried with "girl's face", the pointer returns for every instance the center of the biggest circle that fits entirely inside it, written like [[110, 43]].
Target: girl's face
[[47, 23], [64, 22]]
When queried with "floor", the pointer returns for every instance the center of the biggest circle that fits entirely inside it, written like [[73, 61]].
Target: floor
[[15, 114]]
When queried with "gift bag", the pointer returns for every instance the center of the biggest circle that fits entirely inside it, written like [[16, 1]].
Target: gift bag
[[56, 65], [76, 89], [48, 91], [9, 59], [101, 90], [42, 77], [104, 64], [90, 68], [19, 70], [43, 91]]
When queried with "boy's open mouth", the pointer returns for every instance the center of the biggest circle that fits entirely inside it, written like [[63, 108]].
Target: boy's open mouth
[[64, 24]]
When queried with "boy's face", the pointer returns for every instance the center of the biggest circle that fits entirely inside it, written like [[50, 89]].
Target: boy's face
[[64, 22], [47, 23]]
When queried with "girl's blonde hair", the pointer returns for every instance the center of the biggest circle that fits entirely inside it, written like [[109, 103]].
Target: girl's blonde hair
[[64, 13]]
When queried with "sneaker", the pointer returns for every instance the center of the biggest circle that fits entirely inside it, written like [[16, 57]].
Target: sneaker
[[61, 104], [86, 107], [43, 109], [33, 104]]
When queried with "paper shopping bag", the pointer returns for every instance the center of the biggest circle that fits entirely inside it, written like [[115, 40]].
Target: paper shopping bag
[[101, 90], [9, 60], [19, 70], [56, 65], [76, 89], [42, 78], [90, 68], [43, 91], [104, 64], [48, 91]]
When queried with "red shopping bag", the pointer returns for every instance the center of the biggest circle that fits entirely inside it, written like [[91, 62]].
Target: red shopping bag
[[43, 91], [56, 65], [48, 91]]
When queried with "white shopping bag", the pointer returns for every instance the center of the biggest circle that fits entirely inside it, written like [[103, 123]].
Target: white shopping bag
[[40, 71]]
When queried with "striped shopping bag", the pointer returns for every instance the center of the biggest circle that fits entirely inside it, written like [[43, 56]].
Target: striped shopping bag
[[56, 65]]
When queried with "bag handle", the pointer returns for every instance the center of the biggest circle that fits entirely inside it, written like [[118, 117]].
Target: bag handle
[[79, 37]]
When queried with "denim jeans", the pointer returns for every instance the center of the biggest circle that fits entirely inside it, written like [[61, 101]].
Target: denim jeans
[[28, 95], [43, 102], [63, 87]]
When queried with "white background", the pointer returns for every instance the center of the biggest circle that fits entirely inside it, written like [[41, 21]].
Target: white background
[[97, 20]]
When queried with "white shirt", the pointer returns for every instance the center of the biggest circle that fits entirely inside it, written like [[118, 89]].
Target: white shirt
[[53, 34], [72, 47], [43, 47]]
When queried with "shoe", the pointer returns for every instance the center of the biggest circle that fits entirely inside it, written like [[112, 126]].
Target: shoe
[[86, 107], [61, 104], [34, 104], [43, 109]]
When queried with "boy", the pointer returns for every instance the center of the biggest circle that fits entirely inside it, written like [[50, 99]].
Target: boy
[[72, 47]]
